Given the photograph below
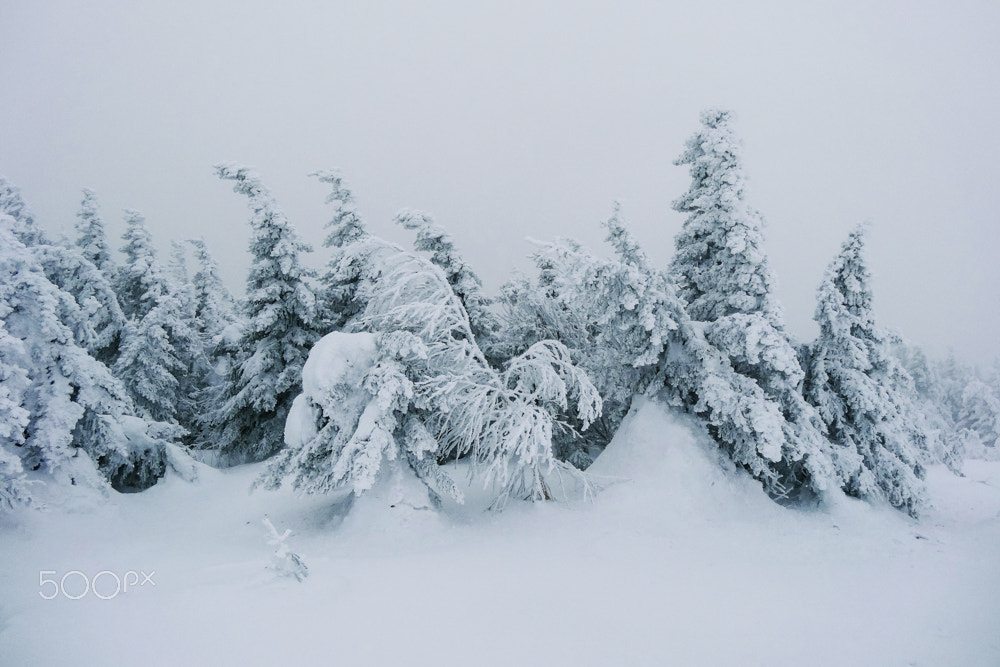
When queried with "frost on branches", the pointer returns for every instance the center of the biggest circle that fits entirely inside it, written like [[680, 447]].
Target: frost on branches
[[615, 317], [91, 237], [623, 323], [12, 204], [350, 418], [723, 276], [281, 326], [14, 419], [99, 323], [57, 400], [346, 227], [432, 238], [428, 391], [159, 347], [216, 323], [979, 420], [284, 561], [851, 380]]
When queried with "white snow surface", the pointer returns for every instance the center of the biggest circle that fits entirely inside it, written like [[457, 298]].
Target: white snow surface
[[677, 561]]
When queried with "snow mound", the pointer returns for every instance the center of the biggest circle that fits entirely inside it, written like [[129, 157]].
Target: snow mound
[[182, 464], [336, 367], [665, 458], [338, 358]]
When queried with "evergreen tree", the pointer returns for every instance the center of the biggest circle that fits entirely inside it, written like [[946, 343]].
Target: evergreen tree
[[24, 226], [433, 238], [428, 391], [719, 266], [926, 382], [931, 425], [99, 323], [186, 335], [615, 317], [722, 274], [624, 324], [993, 378], [852, 382], [160, 353], [217, 323], [71, 400], [149, 365], [179, 280], [14, 419], [953, 377], [346, 227], [282, 325], [91, 237], [141, 280], [980, 414]]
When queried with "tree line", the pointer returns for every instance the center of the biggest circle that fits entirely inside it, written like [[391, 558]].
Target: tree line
[[112, 369]]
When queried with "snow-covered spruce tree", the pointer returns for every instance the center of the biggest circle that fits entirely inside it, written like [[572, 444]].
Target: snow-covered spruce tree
[[930, 422], [851, 381], [217, 323], [614, 316], [926, 382], [179, 279], [624, 324], [101, 323], [14, 419], [722, 274], [952, 376], [149, 365], [12, 204], [91, 237], [141, 280], [427, 390], [282, 324], [434, 239], [980, 414], [196, 371], [993, 376], [159, 348], [73, 403], [346, 227]]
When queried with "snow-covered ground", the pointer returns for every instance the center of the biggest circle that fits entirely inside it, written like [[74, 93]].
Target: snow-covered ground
[[677, 561]]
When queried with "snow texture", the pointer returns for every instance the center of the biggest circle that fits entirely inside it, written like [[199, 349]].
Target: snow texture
[[677, 561]]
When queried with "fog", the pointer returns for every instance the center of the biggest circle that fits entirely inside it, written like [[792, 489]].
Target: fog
[[508, 119]]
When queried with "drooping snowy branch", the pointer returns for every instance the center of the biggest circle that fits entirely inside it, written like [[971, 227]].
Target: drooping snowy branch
[[428, 388]]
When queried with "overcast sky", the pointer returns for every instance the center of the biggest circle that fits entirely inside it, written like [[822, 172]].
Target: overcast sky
[[514, 119]]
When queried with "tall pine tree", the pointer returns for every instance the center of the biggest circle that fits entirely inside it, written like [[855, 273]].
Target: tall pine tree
[[723, 275], [141, 280], [338, 305], [91, 237], [217, 323], [282, 324], [851, 380], [159, 346]]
